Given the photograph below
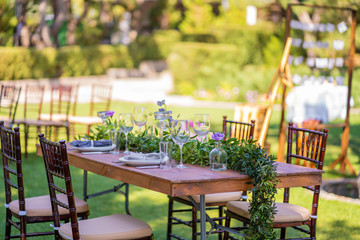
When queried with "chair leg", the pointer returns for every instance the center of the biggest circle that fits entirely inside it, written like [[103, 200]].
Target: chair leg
[[68, 133], [313, 229], [193, 222], [7, 225], [283, 233], [88, 129], [23, 228], [170, 214], [227, 224], [221, 208], [26, 134]]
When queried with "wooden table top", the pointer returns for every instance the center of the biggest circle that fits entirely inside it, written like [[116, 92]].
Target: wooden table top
[[190, 181]]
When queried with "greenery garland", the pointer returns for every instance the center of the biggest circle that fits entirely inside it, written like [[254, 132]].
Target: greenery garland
[[243, 156]]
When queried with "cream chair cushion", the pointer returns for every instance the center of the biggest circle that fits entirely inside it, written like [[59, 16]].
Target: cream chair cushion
[[41, 206], [85, 120], [108, 227], [217, 197], [54, 117], [285, 212]]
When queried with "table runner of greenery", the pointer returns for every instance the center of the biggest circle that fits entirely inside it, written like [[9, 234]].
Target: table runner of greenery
[[247, 157]]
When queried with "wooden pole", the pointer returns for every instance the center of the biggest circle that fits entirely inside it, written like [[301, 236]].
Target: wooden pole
[[279, 75], [343, 159]]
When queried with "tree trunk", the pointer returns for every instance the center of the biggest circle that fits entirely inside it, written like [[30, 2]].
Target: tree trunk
[[73, 23], [41, 37], [22, 34], [61, 14]]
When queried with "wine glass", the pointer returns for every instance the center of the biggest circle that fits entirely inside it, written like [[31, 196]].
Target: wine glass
[[180, 134], [202, 125], [140, 116], [126, 125], [102, 115]]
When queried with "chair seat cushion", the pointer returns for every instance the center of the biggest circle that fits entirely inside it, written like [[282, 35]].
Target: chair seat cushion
[[217, 197], [53, 117], [45, 123], [41, 206], [118, 226], [285, 212], [85, 120]]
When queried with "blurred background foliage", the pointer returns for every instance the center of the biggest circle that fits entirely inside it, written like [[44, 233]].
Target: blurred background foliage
[[211, 51]]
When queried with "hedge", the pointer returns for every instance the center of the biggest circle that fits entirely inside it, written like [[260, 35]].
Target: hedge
[[215, 71], [24, 63]]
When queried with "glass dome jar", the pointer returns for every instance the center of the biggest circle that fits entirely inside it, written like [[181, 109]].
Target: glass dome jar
[[218, 158]]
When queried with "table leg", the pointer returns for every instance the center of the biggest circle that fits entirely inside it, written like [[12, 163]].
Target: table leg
[[202, 217], [85, 196]]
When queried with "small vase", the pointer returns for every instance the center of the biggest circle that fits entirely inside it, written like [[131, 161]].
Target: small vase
[[218, 158]]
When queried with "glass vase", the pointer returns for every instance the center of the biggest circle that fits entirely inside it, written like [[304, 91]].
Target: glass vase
[[218, 158]]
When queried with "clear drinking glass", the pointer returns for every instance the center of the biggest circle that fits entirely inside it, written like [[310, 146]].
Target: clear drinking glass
[[202, 125], [180, 134], [165, 149], [115, 137], [140, 116], [126, 125]]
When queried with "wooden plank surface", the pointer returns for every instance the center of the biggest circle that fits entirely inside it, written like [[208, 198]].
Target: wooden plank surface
[[189, 181]]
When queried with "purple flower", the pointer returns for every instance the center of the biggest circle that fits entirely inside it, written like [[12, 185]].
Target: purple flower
[[160, 103], [217, 136], [109, 113], [161, 109]]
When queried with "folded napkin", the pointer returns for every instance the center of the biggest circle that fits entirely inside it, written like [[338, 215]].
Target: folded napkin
[[90, 143], [143, 156]]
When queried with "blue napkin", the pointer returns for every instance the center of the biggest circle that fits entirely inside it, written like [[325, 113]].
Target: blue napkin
[[87, 143]]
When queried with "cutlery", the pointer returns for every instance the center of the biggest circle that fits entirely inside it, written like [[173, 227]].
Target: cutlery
[[152, 166], [89, 153]]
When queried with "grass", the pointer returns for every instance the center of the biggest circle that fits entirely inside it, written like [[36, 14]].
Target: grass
[[337, 220]]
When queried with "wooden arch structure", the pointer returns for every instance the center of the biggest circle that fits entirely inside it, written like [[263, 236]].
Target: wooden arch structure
[[342, 160]]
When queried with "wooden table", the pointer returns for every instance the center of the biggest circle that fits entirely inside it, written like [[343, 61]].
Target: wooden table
[[194, 180]]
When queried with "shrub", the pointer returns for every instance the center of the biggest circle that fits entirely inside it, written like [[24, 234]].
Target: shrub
[[92, 60], [24, 63], [251, 40], [20, 63], [153, 47]]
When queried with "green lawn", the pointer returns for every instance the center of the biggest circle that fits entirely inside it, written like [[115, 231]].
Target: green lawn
[[337, 220]]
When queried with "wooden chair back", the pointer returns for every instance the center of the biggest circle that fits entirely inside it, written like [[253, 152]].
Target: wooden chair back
[[239, 130], [12, 165], [308, 146], [9, 99], [34, 95], [247, 112], [59, 180], [60, 102], [100, 98]]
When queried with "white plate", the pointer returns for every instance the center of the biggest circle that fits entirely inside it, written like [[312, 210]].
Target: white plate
[[95, 149], [142, 162]]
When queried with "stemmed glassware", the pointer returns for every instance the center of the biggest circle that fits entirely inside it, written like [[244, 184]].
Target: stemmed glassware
[[202, 125], [103, 116], [180, 134], [161, 117], [140, 116], [126, 125]]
